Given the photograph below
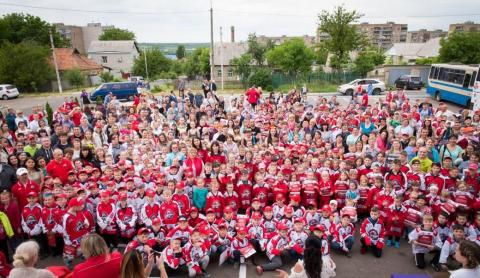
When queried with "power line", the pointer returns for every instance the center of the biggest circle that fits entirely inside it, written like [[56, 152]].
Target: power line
[[100, 12], [366, 17]]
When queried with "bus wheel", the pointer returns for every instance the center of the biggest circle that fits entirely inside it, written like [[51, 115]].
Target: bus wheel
[[470, 105], [438, 97]]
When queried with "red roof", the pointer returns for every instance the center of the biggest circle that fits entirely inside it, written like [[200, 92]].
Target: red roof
[[70, 58]]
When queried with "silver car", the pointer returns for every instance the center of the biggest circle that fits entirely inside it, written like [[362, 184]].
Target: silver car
[[8, 91], [348, 89]]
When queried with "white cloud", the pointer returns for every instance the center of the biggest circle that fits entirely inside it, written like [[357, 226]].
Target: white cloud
[[269, 17]]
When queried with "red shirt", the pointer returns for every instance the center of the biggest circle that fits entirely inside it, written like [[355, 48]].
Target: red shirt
[[60, 170], [20, 191], [76, 118], [99, 266]]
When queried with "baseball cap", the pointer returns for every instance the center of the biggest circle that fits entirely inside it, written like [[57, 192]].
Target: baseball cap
[[122, 195], [105, 193], [281, 226], [156, 221], [257, 215], [473, 166], [32, 194], [22, 171], [76, 202], [267, 208], [288, 209], [227, 209], [150, 193], [142, 231]]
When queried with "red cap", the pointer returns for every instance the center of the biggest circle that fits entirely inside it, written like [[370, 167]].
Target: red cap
[[281, 226], [121, 162], [156, 221], [267, 208], [32, 194], [122, 195], [61, 195], [255, 200], [180, 185], [319, 227], [193, 209], [150, 193], [204, 230], [227, 209], [298, 219], [241, 230], [210, 210], [473, 166], [279, 196], [326, 208], [105, 193], [76, 202], [145, 172], [295, 198], [142, 231], [257, 215]]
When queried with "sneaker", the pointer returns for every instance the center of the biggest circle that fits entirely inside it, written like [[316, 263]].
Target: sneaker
[[348, 255], [436, 267], [242, 260], [389, 242], [206, 274], [363, 250], [397, 244], [259, 270], [236, 265]]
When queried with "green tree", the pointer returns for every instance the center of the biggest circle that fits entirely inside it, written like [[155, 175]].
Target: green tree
[[292, 57], [75, 77], [321, 55], [460, 47], [257, 50], [342, 35], [157, 63], [243, 67], [106, 76], [181, 52], [17, 27], [25, 64], [116, 34], [367, 60], [261, 77]]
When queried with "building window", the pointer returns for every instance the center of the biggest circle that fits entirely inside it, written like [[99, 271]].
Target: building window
[[230, 72], [219, 73], [104, 59]]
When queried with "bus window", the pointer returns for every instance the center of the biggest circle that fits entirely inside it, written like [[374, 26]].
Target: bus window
[[437, 70], [466, 81], [472, 80], [478, 76], [432, 72], [441, 74]]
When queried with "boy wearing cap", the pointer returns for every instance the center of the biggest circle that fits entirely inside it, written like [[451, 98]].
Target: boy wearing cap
[[106, 220], [48, 219], [150, 210], [181, 231], [173, 257], [158, 236], [435, 177], [126, 218], [32, 220], [181, 198], [297, 237], [229, 220], [256, 232], [240, 241], [215, 199], [169, 210], [140, 243], [76, 225], [276, 248]]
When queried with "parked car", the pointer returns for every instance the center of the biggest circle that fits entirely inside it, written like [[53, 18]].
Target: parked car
[[350, 88], [122, 90], [409, 82], [8, 91]]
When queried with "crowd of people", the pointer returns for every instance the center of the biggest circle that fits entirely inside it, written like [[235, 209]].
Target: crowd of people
[[184, 180]]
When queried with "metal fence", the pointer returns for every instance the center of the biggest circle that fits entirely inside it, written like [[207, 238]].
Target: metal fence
[[279, 79]]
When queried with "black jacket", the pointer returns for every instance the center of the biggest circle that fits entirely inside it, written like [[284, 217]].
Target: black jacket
[[48, 154], [8, 177]]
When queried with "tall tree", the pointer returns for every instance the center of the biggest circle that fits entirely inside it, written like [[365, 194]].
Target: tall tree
[[157, 63], [342, 35], [181, 53], [367, 60], [25, 64], [460, 47], [292, 57], [198, 63], [257, 50], [16, 28], [117, 34], [243, 67]]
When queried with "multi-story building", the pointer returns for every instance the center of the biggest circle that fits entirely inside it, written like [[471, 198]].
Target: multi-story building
[[81, 37], [116, 56], [468, 26], [424, 35], [309, 40], [384, 35]]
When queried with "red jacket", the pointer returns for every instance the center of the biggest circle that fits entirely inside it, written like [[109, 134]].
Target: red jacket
[[169, 213], [75, 227], [182, 201], [59, 169], [99, 266], [252, 95], [20, 191]]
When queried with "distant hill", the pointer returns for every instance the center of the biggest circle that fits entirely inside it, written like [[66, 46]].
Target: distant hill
[[170, 48]]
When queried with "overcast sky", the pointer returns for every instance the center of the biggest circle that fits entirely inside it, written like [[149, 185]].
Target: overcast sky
[[189, 21]]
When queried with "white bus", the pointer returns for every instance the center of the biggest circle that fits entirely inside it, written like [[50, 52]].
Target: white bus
[[453, 83]]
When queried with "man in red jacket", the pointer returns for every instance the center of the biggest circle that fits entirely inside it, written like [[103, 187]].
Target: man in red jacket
[[252, 96], [59, 167]]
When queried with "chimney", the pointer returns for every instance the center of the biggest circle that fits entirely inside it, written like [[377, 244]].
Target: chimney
[[232, 34]]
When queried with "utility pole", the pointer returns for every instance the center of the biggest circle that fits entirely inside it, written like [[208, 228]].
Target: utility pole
[[221, 55], [55, 63], [146, 65], [211, 41]]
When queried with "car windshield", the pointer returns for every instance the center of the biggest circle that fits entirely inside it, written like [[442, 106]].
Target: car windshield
[[353, 82], [415, 78], [9, 87]]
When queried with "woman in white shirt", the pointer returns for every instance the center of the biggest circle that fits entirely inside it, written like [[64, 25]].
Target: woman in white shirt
[[468, 254]]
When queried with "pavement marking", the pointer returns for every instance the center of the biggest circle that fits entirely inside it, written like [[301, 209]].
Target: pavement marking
[[242, 272]]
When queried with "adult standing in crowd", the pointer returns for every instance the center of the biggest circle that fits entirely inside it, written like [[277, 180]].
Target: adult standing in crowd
[[25, 260], [468, 254], [59, 167]]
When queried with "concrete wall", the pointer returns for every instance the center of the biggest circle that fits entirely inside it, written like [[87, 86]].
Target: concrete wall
[[389, 74]]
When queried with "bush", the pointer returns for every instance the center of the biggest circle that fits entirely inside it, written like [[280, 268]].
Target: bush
[[75, 77], [261, 78], [106, 77], [49, 111]]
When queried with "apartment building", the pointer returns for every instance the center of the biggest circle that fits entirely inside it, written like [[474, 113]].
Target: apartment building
[[424, 35]]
